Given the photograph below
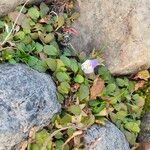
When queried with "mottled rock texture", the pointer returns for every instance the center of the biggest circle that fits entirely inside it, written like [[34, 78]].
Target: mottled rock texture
[[144, 136], [27, 99], [107, 137], [121, 27]]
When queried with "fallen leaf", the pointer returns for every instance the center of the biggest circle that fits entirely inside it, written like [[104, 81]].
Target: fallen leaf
[[141, 102], [96, 88], [145, 75], [139, 84], [44, 20], [43, 56], [75, 87], [24, 145]]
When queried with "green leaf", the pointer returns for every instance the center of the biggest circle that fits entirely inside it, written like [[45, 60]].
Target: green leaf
[[75, 16], [59, 135], [50, 50], [64, 88], [34, 36], [26, 30], [66, 119], [105, 74], [79, 79], [60, 97], [60, 22], [35, 147], [88, 120], [94, 103], [20, 35], [1, 24], [48, 28], [131, 86], [131, 137], [97, 106], [49, 37], [52, 64], [59, 144], [65, 60], [121, 115], [120, 82], [83, 92], [27, 40], [41, 66], [60, 65], [12, 61], [62, 76], [76, 110], [70, 131], [32, 61], [74, 65], [38, 47], [111, 88], [41, 136], [44, 9], [33, 13], [132, 127]]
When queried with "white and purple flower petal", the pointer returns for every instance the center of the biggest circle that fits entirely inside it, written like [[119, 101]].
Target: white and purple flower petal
[[89, 65]]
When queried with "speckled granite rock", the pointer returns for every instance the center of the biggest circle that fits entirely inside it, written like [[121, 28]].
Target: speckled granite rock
[[121, 27], [27, 99], [107, 137], [144, 136]]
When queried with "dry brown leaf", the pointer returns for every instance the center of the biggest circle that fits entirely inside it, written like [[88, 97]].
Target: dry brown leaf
[[44, 20], [139, 84], [24, 145], [42, 55], [75, 87], [96, 88]]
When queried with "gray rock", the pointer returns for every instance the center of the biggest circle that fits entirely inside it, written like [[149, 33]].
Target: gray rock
[[107, 137], [144, 135], [120, 27], [27, 99]]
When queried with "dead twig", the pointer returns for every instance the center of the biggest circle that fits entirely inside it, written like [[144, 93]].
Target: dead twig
[[77, 133]]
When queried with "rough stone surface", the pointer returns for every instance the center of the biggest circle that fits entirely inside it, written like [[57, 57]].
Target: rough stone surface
[[121, 27], [108, 137], [27, 99], [144, 135]]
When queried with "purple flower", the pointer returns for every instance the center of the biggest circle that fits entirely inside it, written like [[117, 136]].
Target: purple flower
[[89, 65]]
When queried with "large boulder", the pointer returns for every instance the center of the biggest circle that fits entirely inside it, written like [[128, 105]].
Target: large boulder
[[27, 99], [120, 27], [107, 137], [144, 136]]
